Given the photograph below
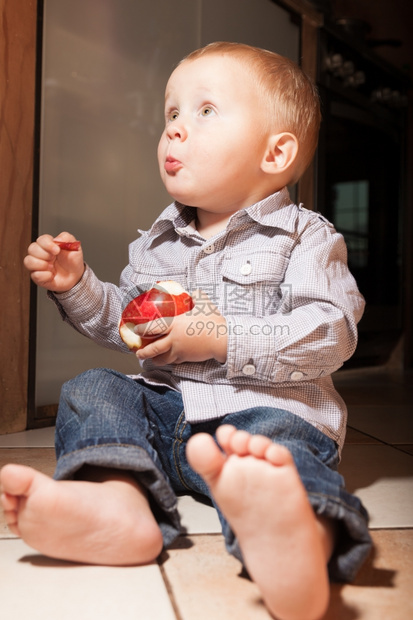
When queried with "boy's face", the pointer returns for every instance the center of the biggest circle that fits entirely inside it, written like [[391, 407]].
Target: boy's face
[[214, 140]]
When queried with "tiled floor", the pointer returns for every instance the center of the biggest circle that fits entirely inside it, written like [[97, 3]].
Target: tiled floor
[[196, 579]]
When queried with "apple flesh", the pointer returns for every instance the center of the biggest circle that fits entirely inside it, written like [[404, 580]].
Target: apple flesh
[[69, 246], [165, 299]]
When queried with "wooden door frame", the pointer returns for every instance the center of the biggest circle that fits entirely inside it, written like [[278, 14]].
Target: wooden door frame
[[17, 130]]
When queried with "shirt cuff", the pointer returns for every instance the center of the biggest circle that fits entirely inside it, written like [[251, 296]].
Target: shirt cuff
[[253, 353]]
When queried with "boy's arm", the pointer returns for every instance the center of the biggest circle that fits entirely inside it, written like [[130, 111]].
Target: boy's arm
[[93, 308]]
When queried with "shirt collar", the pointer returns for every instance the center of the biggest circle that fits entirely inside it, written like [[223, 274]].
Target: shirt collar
[[276, 211], [176, 216]]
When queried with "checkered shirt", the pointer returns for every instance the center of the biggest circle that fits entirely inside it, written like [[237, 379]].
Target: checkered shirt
[[279, 275]]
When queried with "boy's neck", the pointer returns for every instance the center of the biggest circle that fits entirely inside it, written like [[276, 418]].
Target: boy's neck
[[210, 224]]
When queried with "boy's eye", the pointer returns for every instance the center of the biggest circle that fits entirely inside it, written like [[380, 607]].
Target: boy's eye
[[206, 110], [173, 116]]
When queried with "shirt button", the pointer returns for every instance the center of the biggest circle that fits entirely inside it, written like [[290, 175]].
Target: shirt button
[[209, 249], [246, 269], [296, 376], [249, 369]]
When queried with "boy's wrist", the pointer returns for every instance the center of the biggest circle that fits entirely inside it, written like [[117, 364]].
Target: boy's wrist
[[208, 338], [70, 285]]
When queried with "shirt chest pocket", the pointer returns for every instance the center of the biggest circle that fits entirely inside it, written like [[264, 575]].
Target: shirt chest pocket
[[252, 283], [149, 269]]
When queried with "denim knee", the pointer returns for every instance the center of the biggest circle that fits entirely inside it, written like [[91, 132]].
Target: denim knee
[[94, 407]]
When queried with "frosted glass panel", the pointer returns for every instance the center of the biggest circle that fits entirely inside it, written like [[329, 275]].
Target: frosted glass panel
[[105, 66], [255, 22]]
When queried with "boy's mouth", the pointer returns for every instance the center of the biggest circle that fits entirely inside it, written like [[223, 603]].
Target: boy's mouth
[[172, 165]]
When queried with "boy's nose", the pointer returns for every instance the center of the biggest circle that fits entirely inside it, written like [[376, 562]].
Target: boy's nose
[[176, 130]]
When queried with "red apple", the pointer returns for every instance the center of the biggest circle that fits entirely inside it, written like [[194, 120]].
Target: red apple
[[165, 299], [69, 246]]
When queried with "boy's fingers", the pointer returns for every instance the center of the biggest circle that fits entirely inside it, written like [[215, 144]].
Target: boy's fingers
[[38, 264], [154, 328], [46, 246], [41, 278], [41, 252], [153, 349]]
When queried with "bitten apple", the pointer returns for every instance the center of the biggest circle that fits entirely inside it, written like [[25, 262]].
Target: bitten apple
[[163, 300]]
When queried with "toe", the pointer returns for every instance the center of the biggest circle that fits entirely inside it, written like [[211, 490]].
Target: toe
[[205, 457], [239, 443], [9, 502], [278, 455], [17, 479], [224, 435], [258, 446], [10, 516]]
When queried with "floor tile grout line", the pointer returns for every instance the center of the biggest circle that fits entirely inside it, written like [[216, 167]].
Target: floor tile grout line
[[378, 441], [170, 591]]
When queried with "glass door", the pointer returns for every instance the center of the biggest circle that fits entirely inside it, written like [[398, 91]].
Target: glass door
[[360, 189], [105, 67]]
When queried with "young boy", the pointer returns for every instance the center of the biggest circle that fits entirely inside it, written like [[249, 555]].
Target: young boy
[[236, 399]]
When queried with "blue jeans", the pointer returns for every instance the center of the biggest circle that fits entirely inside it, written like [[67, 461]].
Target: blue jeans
[[107, 419]]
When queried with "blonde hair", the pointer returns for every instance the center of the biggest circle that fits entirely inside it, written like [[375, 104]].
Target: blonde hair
[[291, 97]]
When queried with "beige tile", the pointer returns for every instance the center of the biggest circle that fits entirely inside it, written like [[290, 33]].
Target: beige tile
[[205, 582], [37, 438], [42, 459], [197, 517], [35, 587], [383, 588], [382, 477]]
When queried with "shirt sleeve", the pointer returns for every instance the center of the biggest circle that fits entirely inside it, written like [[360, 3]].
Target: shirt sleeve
[[314, 329], [93, 308]]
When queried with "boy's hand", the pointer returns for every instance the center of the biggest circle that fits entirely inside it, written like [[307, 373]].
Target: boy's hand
[[198, 335], [51, 267]]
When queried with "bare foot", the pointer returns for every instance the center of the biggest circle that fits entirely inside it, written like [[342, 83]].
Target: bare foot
[[107, 522], [257, 487]]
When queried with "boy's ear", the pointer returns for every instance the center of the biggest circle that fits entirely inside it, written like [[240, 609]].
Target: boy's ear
[[280, 154]]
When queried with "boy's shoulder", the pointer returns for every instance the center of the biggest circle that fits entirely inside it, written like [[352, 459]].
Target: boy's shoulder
[[313, 217], [313, 224]]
